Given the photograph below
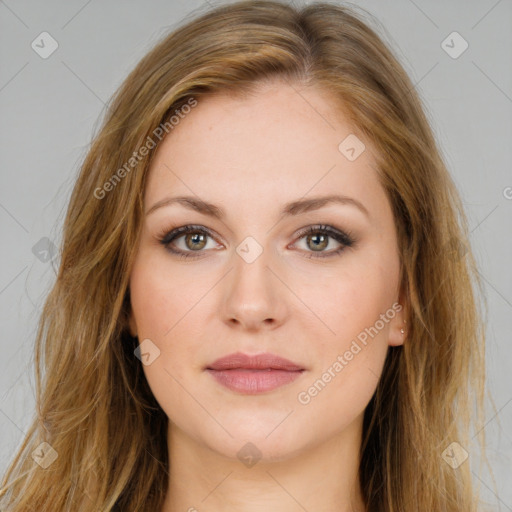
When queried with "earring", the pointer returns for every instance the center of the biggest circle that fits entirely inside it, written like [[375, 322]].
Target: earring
[[402, 330]]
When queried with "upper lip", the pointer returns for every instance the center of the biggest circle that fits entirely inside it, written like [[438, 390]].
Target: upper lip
[[257, 362]]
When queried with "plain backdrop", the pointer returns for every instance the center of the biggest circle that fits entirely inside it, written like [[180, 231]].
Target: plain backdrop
[[50, 107]]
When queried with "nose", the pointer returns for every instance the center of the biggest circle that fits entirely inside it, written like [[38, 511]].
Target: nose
[[255, 297]]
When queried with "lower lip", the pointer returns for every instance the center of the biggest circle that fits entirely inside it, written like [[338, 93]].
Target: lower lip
[[252, 382]]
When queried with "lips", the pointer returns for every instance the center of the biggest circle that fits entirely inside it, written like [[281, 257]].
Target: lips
[[251, 375], [256, 362]]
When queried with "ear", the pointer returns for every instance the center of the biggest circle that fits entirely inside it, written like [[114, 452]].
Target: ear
[[398, 327]]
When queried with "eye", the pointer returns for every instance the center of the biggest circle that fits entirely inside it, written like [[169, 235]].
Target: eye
[[317, 237], [195, 239]]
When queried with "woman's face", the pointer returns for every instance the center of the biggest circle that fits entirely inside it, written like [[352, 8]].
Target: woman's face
[[254, 283]]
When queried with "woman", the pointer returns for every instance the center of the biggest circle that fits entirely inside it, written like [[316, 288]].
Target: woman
[[265, 298]]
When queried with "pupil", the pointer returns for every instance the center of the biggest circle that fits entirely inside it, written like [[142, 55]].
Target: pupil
[[194, 238], [320, 245]]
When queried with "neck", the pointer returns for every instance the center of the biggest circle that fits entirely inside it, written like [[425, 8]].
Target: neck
[[323, 478]]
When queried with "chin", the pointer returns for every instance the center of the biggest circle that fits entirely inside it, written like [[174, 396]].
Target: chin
[[262, 441]]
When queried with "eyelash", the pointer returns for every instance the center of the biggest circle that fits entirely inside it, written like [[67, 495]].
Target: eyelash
[[344, 238]]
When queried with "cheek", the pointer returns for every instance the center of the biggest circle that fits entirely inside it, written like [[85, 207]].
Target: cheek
[[168, 312], [160, 315], [353, 350], [349, 303], [350, 361], [156, 303]]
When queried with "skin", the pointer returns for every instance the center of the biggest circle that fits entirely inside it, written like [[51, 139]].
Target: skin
[[251, 156]]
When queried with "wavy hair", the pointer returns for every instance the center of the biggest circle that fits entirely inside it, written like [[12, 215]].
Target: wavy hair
[[94, 406]]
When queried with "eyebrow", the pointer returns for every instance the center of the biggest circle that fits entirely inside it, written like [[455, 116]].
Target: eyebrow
[[290, 209]]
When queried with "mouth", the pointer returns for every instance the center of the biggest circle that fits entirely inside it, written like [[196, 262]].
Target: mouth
[[251, 375], [251, 382]]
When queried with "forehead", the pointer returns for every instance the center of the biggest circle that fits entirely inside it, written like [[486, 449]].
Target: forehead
[[277, 143], [276, 119]]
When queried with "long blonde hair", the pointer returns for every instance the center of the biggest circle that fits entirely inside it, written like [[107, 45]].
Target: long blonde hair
[[94, 406]]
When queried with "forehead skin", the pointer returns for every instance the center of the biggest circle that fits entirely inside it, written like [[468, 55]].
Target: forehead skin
[[256, 153]]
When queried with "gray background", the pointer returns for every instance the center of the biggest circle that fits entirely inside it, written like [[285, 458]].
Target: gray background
[[50, 107]]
